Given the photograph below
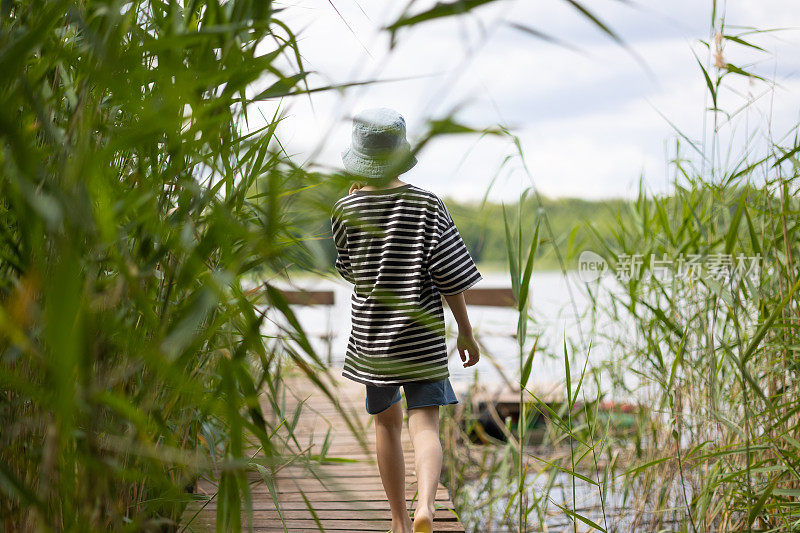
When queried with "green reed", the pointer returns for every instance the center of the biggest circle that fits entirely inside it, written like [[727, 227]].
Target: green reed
[[142, 221], [504, 474], [716, 444], [715, 351], [134, 216]]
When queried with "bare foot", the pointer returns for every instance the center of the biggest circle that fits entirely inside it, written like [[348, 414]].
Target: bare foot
[[423, 520]]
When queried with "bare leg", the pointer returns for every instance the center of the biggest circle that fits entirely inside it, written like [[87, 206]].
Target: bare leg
[[388, 424], [423, 425]]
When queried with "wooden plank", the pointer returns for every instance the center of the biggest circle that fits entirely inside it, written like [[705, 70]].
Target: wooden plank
[[348, 496], [329, 525], [336, 525], [335, 514], [308, 297], [349, 506], [488, 297]]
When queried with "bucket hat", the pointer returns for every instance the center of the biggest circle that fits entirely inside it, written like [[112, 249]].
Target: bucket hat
[[378, 147]]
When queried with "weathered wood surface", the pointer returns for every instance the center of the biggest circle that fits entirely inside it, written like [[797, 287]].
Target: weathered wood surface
[[348, 496], [488, 297]]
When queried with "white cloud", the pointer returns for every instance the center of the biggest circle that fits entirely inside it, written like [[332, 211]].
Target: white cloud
[[588, 125]]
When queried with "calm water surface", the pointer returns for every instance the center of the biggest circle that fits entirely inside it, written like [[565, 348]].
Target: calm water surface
[[552, 319]]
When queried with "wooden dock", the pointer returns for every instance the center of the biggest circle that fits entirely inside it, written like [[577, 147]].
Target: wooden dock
[[349, 496]]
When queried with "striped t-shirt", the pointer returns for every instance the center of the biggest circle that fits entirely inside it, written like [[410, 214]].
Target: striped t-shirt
[[401, 250]]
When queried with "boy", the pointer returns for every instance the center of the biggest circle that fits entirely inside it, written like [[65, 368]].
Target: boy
[[399, 247]]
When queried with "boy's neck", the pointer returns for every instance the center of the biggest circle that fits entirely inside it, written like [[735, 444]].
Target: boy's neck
[[390, 185]]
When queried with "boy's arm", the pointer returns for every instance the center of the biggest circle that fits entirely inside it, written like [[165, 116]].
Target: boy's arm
[[466, 340], [452, 272], [458, 306]]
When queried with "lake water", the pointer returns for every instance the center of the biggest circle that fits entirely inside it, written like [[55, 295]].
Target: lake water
[[552, 318]]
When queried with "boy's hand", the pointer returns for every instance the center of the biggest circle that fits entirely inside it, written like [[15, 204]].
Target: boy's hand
[[466, 342], [355, 186]]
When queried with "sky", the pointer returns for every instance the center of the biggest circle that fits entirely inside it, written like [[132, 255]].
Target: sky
[[590, 122]]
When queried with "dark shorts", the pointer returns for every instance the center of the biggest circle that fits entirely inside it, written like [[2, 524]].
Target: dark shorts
[[418, 394]]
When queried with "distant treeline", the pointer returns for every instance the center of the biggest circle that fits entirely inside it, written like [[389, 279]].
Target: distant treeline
[[483, 229]]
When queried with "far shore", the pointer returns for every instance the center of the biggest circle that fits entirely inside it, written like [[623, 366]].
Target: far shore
[[486, 269]]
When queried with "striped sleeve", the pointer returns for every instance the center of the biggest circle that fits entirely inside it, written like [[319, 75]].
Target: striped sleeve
[[340, 240], [451, 267]]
